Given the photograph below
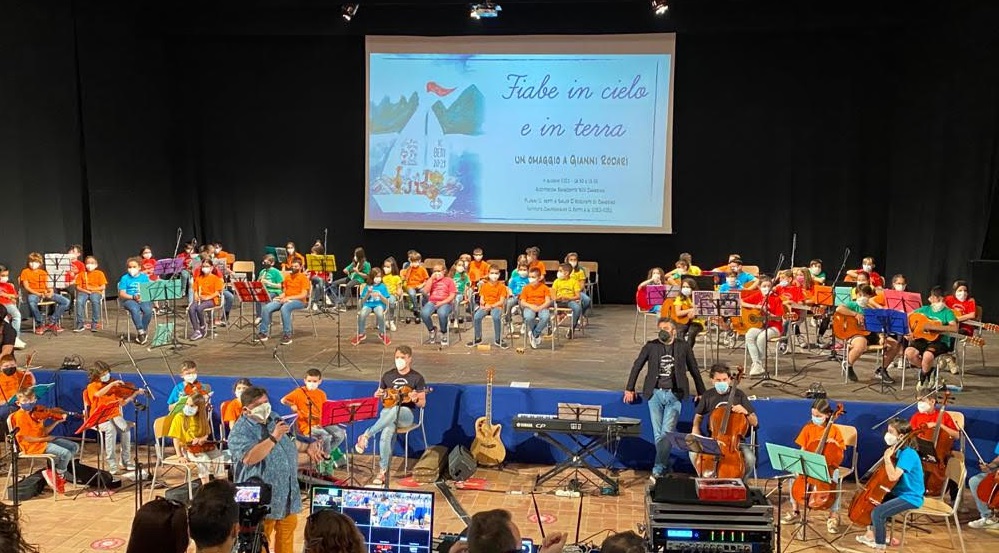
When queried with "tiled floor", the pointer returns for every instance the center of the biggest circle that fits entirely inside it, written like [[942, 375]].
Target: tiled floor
[[69, 526]]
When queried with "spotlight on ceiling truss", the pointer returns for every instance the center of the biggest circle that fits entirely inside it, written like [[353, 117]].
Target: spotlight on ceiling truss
[[660, 7], [349, 11], [485, 10]]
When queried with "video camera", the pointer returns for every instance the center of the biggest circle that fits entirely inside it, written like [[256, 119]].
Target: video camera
[[253, 498]]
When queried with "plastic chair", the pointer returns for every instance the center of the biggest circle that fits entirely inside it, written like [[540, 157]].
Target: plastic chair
[[43, 308], [644, 315], [405, 433], [958, 418], [592, 269], [938, 506], [850, 441], [160, 427], [964, 343], [46, 458], [104, 312], [502, 264]]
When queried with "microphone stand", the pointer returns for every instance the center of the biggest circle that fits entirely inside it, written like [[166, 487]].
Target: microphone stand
[[175, 345], [140, 477], [15, 452], [839, 273], [766, 379]]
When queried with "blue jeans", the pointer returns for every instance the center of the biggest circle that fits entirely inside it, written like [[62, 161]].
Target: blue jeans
[[142, 313], [197, 313], [664, 409], [480, 314], [414, 299], [95, 307], [362, 317], [338, 298], [185, 277], [331, 436], [443, 312], [227, 300], [285, 308], [576, 308], [61, 305], [883, 512], [64, 450], [15, 317], [586, 300], [388, 422], [536, 322], [983, 508]]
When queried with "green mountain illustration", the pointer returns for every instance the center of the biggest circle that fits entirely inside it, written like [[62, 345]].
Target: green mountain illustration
[[388, 117], [465, 115]]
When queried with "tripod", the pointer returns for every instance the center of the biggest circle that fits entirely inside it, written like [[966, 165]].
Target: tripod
[[339, 356], [103, 415], [172, 292]]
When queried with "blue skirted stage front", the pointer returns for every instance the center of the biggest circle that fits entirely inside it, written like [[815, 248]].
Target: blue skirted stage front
[[453, 408]]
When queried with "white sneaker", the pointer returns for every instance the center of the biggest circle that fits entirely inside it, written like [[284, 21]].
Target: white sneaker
[[984, 523], [757, 370], [19, 344], [392, 326]]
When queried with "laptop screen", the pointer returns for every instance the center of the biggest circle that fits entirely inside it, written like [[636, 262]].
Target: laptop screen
[[391, 521]]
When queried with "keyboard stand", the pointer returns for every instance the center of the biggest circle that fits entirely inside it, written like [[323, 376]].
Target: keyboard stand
[[576, 459]]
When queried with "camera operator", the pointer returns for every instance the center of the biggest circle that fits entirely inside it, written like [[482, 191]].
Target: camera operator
[[213, 518], [623, 542], [495, 532], [261, 447]]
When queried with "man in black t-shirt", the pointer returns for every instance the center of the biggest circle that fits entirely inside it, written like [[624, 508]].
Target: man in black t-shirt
[[398, 416], [718, 396]]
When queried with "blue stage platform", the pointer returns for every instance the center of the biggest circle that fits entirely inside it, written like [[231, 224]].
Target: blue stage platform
[[453, 408]]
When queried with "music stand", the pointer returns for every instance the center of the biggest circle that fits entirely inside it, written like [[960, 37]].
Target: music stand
[[57, 265], [99, 416], [655, 294], [347, 412], [905, 302], [799, 463], [281, 254], [703, 282], [578, 412], [164, 290], [884, 322], [692, 443], [251, 291], [842, 294], [40, 391]]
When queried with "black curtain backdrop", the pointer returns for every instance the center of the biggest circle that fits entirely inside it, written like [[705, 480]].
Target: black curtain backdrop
[[853, 125]]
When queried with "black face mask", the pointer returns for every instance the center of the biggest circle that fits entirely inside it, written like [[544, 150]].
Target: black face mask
[[267, 264], [9, 371], [666, 336]]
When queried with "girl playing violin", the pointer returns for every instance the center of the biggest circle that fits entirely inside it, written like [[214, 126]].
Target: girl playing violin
[[191, 431], [810, 434], [34, 437], [906, 471], [103, 391]]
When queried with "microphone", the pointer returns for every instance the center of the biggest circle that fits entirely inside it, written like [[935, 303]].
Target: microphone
[[325, 230], [179, 232]]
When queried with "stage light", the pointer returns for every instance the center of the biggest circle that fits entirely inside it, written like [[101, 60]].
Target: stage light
[[349, 11], [660, 7], [484, 10]]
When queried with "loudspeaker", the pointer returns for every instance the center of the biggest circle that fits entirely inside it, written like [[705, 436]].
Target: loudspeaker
[[460, 463]]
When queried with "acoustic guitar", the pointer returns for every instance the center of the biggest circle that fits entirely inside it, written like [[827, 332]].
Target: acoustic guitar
[[487, 447], [673, 313], [750, 318], [845, 327], [917, 325]]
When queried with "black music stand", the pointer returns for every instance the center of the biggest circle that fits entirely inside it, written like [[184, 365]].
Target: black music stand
[[692, 443], [279, 253], [708, 303], [251, 291], [347, 412], [884, 322], [103, 414], [800, 463]]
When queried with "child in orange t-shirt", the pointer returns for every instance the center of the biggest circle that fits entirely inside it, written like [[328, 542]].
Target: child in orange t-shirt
[[478, 269], [309, 423], [208, 288], [36, 282], [535, 299], [233, 409], [12, 381], [35, 437], [100, 393], [492, 301], [533, 253], [807, 439], [413, 278], [90, 286]]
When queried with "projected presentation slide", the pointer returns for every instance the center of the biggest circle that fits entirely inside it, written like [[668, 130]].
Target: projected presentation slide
[[391, 521], [564, 134]]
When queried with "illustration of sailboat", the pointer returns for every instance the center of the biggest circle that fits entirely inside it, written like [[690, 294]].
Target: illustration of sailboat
[[415, 178]]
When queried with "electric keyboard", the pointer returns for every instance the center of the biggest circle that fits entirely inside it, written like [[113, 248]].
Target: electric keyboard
[[531, 422]]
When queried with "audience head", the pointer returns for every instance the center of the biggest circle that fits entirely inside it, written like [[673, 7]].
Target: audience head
[[90, 263], [682, 266], [815, 267], [318, 249], [296, 265], [766, 284], [522, 269], [494, 272], [415, 258], [189, 246], [26, 398], [359, 256], [159, 526], [863, 279], [866, 292], [11, 540], [821, 408], [189, 371], [802, 277], [936, 299], [457, 268], [687, 257], [214, 516], [735, 264], [146, 252], [403, 358], [465, 260], [493, 532], [564, 270], [623, 542], [899, 428], [656, 275], [532, 253], [8, 364], [132, 265], [290, 247], [438, 269], [477, 254], [533, 275], [572, 258], [313, 378], [75, 251], [867, 264], [687, 287], [101, 371], [784, 277], [961, 290], [328, 531]]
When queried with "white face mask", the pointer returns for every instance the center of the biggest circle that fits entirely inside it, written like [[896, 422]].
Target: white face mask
[[862, 301], [891, 439], [868, 268], [477, 257], [387, 270], [106, 377], [400, 363], [311, 386], [523, 274], [573, 263], [190, 378], [494, 276], [560, 274], [290, 250], [377, 280], [262, 411], [205, 270], [924, 407], [459, 269], [415, 263], [961, 296], [656, 277], [190, 410], [764, 290], [34, 265], [239, 392], [133, 271], [814, 270], [91, 266], [899, 287], [532, 280], [685, 291], [5, 279], [784, 282], [147, 255], [937, 307]]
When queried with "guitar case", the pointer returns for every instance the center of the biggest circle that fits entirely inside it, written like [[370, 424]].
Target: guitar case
[[30, 486], [428, 469]]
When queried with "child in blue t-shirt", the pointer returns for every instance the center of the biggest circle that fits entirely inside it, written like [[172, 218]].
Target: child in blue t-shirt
[[904, 468], [374, 297], [516, 283]]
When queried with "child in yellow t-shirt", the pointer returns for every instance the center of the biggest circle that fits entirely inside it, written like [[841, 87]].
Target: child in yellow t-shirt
[[192, 431], [392, 281], [579, 273], [566, 291]]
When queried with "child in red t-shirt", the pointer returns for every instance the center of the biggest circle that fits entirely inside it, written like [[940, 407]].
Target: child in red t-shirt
[[963, 306], [768, 300]]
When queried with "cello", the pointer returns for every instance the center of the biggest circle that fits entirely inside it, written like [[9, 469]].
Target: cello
[[988, 489], [728, 429], [935, 466], [820, 495], [877, 485]]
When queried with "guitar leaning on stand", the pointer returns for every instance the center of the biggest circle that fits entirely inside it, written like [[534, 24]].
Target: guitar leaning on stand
[[487, 447]]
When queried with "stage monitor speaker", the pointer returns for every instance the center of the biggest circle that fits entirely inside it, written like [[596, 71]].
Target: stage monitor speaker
[[460, 463]]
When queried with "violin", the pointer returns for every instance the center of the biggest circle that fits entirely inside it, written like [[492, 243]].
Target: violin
[[877, 485], [123, 390], [196, 389], [820, 495], [202, 448], [399, 396], [935, 466], [728, 428], [40, 413]]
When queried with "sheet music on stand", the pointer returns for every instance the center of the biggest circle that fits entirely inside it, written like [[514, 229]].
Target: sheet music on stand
[[281, 254], [250, 291], [320, 263], [843, 294], [578, 412], [655, 294], [904, 302], [168, 266], [57, 265], [708, 303]]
